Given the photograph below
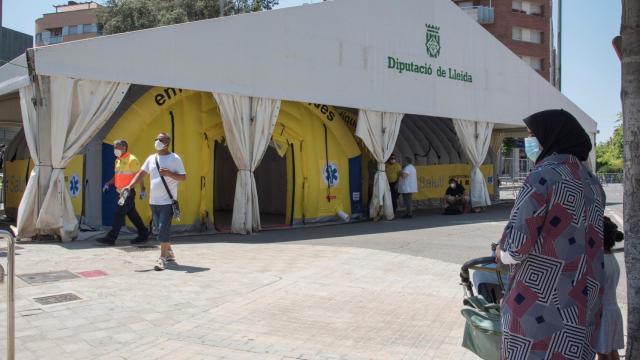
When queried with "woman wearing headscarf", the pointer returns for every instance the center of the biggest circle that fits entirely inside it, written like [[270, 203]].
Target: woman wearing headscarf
[[553, 244]]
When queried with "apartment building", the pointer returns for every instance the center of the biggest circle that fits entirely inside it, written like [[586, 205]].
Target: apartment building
[[524, 26], [72, 21]]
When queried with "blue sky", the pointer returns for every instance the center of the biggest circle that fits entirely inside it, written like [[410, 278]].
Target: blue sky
[[591, 70]]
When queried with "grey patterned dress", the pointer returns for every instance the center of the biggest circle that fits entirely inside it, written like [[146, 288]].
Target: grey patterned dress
[[552, 307]]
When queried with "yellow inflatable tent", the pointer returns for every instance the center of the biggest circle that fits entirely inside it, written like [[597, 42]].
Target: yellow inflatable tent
[[18, 166], [314, 170], [311, 172]]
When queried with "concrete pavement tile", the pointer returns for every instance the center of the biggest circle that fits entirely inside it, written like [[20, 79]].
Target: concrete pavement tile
[[141, 326], [75, 346], [40, 345], [264, 301]]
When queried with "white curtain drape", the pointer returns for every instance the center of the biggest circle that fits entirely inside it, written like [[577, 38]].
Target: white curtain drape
[[79, 108], [591, 161], [497, 138], [248, 125], [28, 208], [475, 138], [379, 132]]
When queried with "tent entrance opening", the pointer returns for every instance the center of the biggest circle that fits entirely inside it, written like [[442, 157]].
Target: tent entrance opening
[[271, 184]]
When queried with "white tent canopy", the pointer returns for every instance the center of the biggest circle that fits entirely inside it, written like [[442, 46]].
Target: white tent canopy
[[424, 58], [335, 52], [13, 76]]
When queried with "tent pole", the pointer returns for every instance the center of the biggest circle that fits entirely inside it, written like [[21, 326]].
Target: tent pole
[[41, 99]]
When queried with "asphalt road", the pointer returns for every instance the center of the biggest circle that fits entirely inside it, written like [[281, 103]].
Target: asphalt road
[[428, 234]]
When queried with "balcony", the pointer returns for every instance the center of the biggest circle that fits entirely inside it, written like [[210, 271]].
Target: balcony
[[481, 14], [54, 40]]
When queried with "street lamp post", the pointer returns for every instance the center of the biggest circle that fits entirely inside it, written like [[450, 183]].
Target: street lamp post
[[560, 45], [11, 304]]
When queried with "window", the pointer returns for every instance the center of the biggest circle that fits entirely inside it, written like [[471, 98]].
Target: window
[[516, 33], [56, 32], [534, 9], [534, 62], [88, 28], [38, 37], [73, 29], [526, 35], [55, 40], [526, 7], [516, 6]]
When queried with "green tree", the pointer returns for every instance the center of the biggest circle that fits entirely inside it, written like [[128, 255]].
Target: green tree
[[609, 155], [128, 15], [245, 6]]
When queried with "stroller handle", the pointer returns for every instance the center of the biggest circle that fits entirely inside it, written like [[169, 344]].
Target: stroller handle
[[464, 271]]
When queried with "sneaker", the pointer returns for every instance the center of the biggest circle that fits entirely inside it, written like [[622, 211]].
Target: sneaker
[[407, 216], [170, 256], [107, 241], [160, 264], [141, 239]]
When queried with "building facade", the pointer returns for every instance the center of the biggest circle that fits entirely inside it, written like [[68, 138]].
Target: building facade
[[73, 21], [13, 43], [524, 26]]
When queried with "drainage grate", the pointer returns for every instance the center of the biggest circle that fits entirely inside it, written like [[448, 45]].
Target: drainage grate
[[138, 248], [47, 277], [57, 299]]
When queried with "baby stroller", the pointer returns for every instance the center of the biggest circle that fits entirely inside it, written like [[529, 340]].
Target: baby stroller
[[481, 310]]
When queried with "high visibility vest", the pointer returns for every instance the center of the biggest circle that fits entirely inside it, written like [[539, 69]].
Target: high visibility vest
[[126, 168], [393, 171]]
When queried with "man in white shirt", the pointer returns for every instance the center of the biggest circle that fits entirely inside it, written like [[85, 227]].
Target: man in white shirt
[[408, 185], [167, 165]]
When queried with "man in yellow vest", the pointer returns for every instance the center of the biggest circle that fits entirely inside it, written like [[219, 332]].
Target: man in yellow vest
[[393, 170], [126, 168]]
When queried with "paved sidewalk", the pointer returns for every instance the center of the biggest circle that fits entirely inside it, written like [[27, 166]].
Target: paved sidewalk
[[358, 291], [235, 301]]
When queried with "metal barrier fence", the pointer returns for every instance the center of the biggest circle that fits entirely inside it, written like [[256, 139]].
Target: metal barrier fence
[[2, 185], [11, 307], [611, 178]]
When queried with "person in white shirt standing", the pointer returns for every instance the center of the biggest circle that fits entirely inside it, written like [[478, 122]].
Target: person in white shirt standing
[[408, 185], [167, 165]]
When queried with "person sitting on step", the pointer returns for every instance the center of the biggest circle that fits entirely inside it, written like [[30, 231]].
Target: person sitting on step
[[455, 201]]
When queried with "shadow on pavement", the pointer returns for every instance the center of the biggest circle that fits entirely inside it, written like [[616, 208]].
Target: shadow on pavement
[[423, 219], [186, 268]]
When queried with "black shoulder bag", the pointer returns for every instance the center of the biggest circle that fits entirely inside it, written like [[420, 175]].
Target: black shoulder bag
[[175, 205]]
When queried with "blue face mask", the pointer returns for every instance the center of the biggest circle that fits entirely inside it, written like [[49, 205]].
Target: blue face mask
[[532, 148]]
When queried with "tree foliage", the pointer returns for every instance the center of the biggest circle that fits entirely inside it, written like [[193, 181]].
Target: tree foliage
[[128, 15], [609, 155]]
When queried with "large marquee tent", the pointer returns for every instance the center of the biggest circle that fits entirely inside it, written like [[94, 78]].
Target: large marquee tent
[[381, 65]]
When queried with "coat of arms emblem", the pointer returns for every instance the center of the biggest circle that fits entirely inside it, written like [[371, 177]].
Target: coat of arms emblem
[[433, 40]]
